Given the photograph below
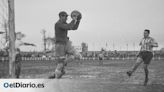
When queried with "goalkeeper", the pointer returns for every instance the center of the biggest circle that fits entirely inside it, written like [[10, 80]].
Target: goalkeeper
[[61, 30]]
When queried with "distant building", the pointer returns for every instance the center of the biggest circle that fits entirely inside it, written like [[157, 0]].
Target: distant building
[[84, 47], [162, 50], [78, 48]]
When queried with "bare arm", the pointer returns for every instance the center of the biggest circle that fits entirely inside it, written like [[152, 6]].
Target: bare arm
[[140, 42], [154, 43]]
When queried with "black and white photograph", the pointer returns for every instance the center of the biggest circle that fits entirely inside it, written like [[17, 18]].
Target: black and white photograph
[[82, 45]]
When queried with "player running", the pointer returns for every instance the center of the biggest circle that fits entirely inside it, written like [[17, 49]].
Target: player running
[[145, 55]]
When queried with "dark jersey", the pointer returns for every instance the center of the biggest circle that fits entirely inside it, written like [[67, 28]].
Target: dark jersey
[[61, 30]]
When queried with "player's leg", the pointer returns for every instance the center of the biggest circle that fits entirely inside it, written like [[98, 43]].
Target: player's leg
[[69, 52], [100, 60], [59, 71], [134, 68], [146, 74], [17, 70], [147, 59], [17, 65], [60, 53], [69, 59]]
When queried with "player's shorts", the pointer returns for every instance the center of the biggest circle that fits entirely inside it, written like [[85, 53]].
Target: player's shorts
[[69, 48], [146, 56], [60, 49]]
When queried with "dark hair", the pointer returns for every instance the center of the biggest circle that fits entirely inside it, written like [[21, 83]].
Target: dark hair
[[62, 13], [147, 30]]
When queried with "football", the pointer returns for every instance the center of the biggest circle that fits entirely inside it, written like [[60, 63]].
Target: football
[[75, 13]]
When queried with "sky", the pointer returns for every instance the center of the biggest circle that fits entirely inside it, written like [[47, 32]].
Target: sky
[[110, 24]]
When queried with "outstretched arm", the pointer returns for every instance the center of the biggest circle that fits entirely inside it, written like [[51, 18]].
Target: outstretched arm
[[154, 44]]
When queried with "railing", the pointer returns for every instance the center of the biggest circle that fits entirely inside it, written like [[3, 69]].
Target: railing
[[30, 59], [83, 58], [118, 58]]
